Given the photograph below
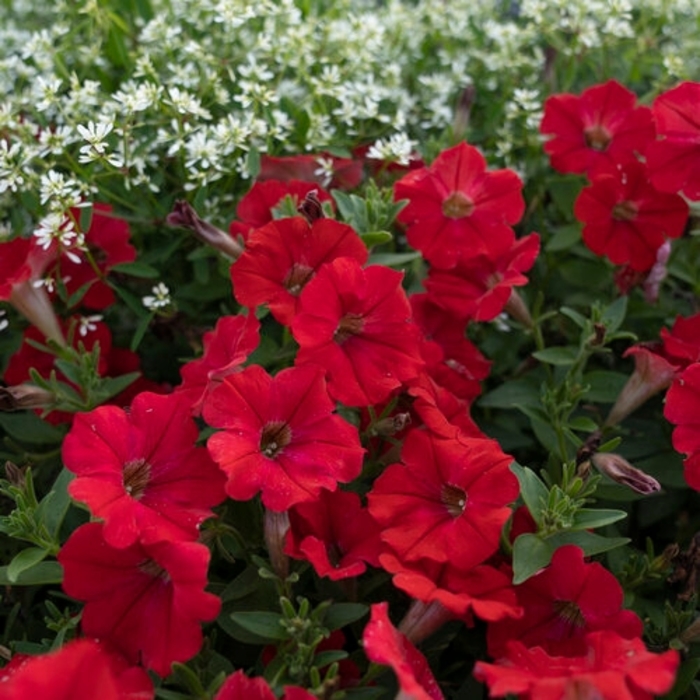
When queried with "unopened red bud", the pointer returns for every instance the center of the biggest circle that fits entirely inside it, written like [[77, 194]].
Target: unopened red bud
[[311, 208], [17, 398], [184, 214], [621, 471]]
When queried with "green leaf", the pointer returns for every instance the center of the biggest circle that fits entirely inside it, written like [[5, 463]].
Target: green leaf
[[591, 518], [614, 315], [579, 319], [55, 504], [112, 386], [376, 238], [27, 427], [532, 489], [530, 554], [563, 238], [43, 573], [140, 331], [252, 163], [136, 269], [557, 356], [604, 386], [85, 220], [393, 259], [342, 614], [515, 392], [583, 423], [23, 561], [265, 625], [326, 658], [589, 542]]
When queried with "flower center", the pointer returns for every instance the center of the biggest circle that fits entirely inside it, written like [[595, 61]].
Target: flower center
[[297, 277], [350, 324], [276, 435], [457, 206], [135, 477], [624, 211], [454, 498], [597, 137], [569, 613], [153, 568]]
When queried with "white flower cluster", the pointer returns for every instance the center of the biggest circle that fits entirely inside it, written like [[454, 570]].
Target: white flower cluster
[[187, 98]]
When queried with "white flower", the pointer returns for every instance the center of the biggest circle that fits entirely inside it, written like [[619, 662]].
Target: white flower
[[56, 226], [399, 149], [160, 298], [87, 324], [4, 323]]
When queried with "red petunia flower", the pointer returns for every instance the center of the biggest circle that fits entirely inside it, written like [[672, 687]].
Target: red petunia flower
[[281, 257], [146, 600], [384, 644], [682, 408], [600, 126], [457, 208], [626, 218], [226, 348], [256, 207], [80, 670], [280, 436], [611, 667], [22, 262], [335, 533], [141, 472], [563, 603], [682, 342], [482, 591], [451, 360], [239, 687], [479, 287], [357, 325], [446, 500], [674, 161]]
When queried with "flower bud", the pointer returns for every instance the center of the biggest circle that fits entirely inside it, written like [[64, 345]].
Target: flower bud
[[621, 471], [17, 398], [183, 214]]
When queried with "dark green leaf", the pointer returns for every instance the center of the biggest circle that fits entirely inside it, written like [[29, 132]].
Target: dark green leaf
[[376, 238], [44, 573], [515, 392], [55, 504], [532, 489], [591, 518], [341, 614], [265, 625], [530, 554], [325, 658], [137, 269], [25, 560], [557, 356], [614, 315], [27, 427], [393, 259]]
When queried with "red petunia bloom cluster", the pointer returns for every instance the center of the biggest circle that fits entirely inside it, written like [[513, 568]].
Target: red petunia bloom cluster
[[140, 572], [631, 209]]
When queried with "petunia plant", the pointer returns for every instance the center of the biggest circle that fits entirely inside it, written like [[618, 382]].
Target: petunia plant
[[349, 350]]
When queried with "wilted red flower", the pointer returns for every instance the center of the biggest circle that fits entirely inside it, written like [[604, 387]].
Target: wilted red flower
[[479, 287], [335, 533], [280, 436], [323, 169], [653, 372], [600, 126], [141, 472], [452, 361], [457, 208], [674, 161], [281, 257], [622, 472], [446, 500], [80, 670], [146, 600], [22, 262], [226, 348], [482, 591], [384, 644], [357, 325], [564, 602], [626, 218], [256, 207], [611, 667], [683, 410]]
